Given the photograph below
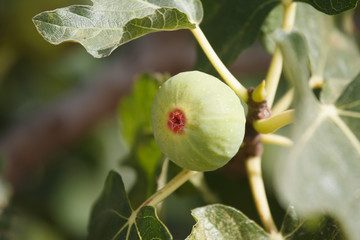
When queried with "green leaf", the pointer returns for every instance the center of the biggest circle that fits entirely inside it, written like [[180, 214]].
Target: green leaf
[[294, 227], [135, 109], [222, 222], [339, 71], [320, 173], [326, 42], [232, 26], [112, 217], [348, 108], [332, 6], [107, 24], [135, 123], [291, 222]]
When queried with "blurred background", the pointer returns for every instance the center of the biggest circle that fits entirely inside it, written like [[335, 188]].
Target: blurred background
[[61, 131]]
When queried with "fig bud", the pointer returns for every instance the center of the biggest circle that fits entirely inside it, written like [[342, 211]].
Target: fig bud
[[198, 121]]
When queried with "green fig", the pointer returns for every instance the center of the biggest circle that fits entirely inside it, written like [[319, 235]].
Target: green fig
[[198, 121]]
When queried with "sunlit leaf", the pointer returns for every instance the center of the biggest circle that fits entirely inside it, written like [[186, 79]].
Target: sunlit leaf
[[112, 217], [107, 24], [222, 222], [320, 173]]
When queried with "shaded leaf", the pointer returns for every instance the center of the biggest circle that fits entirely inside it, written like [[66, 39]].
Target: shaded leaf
[[232, 26], [332, 6], [320, 173], [348, 107], [113, 218], [105, 25], [291, 222], [135, 109], [135, 122], [222, 222], [326, 42], [294, 227]]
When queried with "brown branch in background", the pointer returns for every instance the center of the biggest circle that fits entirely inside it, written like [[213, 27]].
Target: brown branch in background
[[28, 145]]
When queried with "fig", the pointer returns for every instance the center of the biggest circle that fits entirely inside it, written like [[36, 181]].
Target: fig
[[198, 121]]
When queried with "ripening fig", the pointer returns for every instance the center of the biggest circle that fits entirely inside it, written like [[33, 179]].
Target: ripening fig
[[198, 121]]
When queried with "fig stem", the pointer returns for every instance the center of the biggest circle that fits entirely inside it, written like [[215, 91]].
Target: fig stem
[[276, 140], [168, 189], [253, 169], [224, 72], [274, 122], [275, 69]]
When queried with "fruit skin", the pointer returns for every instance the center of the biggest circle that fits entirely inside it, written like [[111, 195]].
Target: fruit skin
[[214, 121]]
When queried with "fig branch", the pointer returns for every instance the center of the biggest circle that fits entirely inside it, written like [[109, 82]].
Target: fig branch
[[253, 148], [259, 121], [224, 72], [275, 69]]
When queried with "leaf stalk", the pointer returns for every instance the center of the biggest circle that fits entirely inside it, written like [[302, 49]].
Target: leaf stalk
[[274, 122], [275, 69], [169, 188], [224, 72], [284, 102], [276, 140], [253, 168]]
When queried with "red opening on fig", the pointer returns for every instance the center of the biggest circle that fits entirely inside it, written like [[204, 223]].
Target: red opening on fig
[[176, 122]]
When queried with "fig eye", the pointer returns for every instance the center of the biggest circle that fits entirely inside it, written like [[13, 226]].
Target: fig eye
[[176, 122]]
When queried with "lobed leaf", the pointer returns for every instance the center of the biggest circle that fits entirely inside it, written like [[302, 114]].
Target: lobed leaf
[[222, 222], [112, 216], [320, 173], [107, 24]]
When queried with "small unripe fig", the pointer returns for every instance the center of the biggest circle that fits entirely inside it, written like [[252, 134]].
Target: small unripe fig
[[198, 121]]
